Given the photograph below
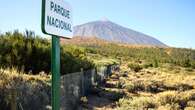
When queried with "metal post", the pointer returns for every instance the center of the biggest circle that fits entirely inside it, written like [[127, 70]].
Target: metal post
[[55, 68], [83, 82], [13, 99]]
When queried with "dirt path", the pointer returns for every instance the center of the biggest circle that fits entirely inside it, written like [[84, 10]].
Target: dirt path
[[99, 103], [103, 97]]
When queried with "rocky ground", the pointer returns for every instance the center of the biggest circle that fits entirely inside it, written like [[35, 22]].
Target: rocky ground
[[162, 88]]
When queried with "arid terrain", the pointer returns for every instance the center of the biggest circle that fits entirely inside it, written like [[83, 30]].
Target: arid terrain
[[163, 88]]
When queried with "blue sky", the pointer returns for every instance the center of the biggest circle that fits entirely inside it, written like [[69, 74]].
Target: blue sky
[[170, 21]]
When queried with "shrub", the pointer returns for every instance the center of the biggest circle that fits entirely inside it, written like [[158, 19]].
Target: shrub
[[131, 88], [169, 107], [137, 103], [135, 67], [189, 108], [183, 87], [33, 54], [168, 97], [189, 69], [188, 95], [31, 92], [147, 65], [155, 64], [193, 64], [120, 84], [172, 97], [191, 104], [135, 86], [147, 86], [154, 86], [112, 95]]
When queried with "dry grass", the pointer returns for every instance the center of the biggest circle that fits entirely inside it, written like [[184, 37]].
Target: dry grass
[[159, 88], [31, 91]]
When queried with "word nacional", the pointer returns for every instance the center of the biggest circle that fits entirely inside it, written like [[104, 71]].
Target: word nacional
[[56, 21]]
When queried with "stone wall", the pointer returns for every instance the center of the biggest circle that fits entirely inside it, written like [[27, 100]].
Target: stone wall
[[76, 85], [71, 90]]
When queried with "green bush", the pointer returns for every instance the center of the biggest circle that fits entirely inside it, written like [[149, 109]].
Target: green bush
[[135, 86], [193, 64], [155, 64], [32, 54], [135, 67], [176, 56], [147, 65]]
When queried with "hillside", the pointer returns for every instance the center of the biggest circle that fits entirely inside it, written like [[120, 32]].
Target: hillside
[[147, 78], [18, 50], [85, 41], [78, 40], [110, 31]]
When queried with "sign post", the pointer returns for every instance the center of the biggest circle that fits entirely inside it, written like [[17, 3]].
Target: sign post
[[56, 21], [55, 70]]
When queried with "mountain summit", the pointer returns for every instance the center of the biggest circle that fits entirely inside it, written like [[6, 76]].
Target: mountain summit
[[113, 32]]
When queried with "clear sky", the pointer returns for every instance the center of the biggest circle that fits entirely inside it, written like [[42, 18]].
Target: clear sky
[[170, 21]]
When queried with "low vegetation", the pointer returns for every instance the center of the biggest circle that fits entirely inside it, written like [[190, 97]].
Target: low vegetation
[[26, 92], [158, 89], [32, 54], [149, 77]]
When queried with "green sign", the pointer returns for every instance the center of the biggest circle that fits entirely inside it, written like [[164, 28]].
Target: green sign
[[56, 21]]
